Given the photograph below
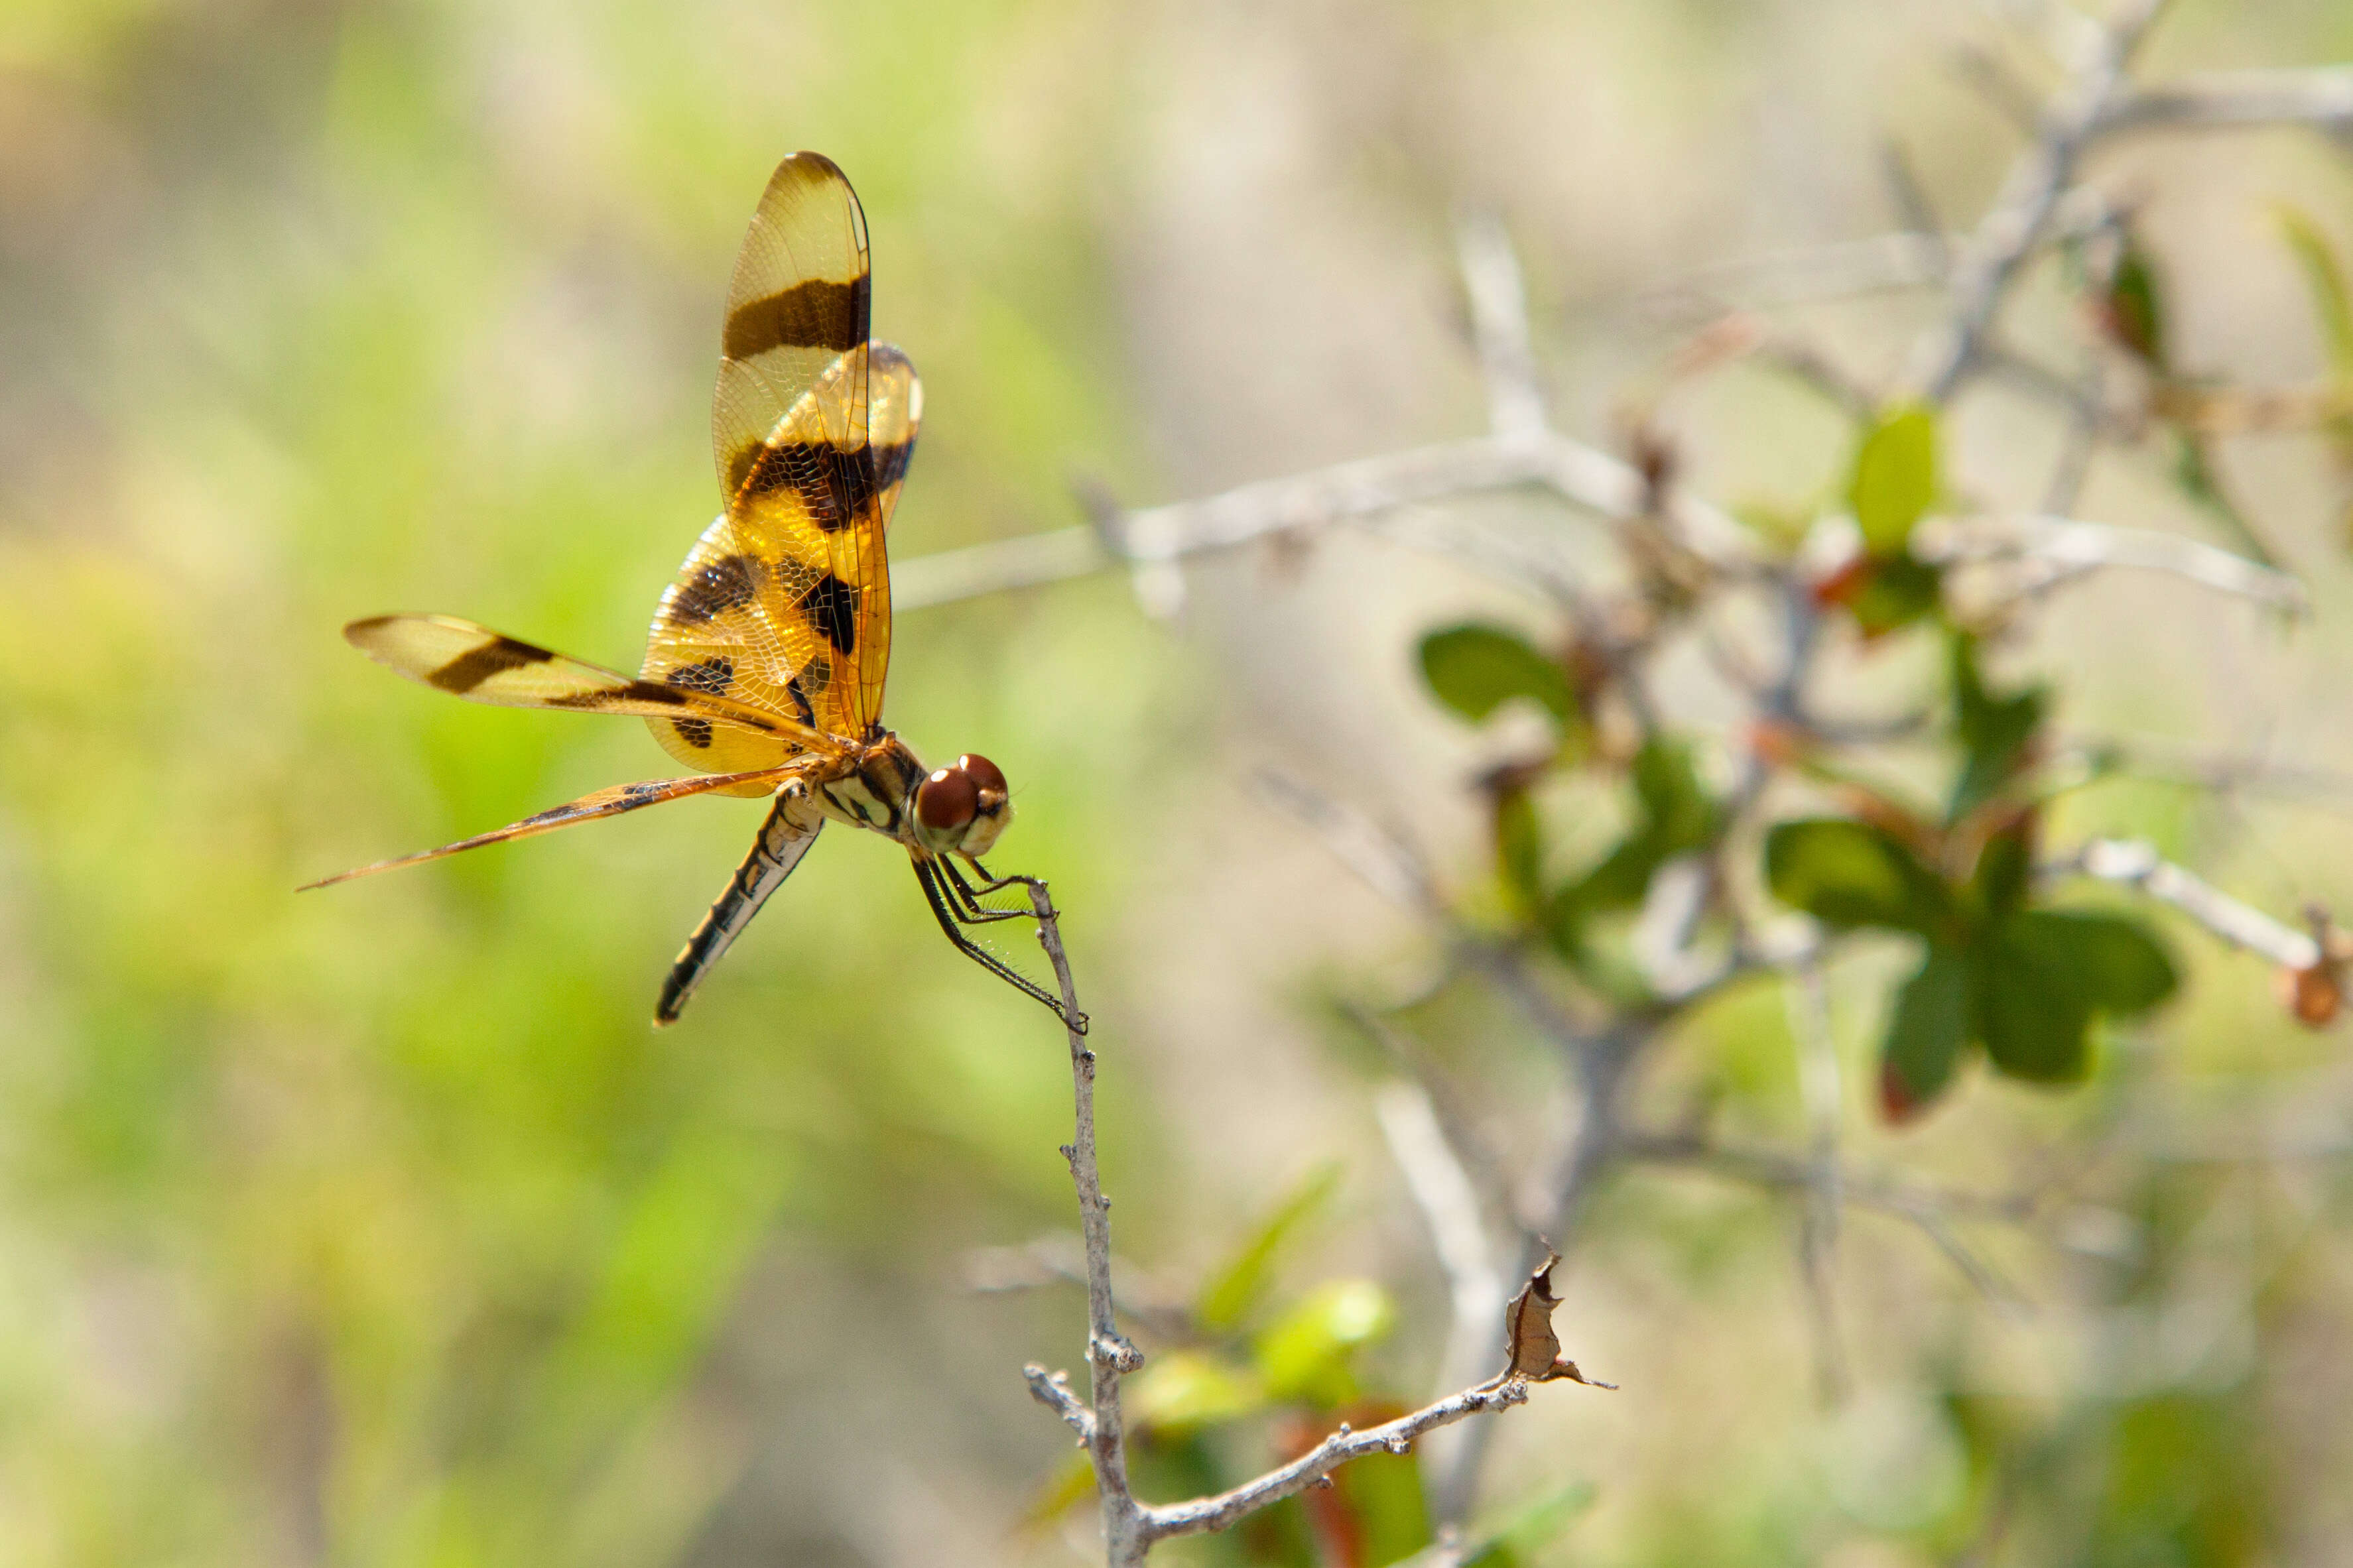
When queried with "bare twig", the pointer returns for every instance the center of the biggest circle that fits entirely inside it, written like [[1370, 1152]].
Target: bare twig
[[1393, 1438], [2321, 97], [1475, 1280], [2086, 408], [1053, 1390], [1383, 860], [1001, 564], [2059, 547], [1817, 1079], [1499, 322], [1905, 1198], [1362, 490], [2137, 864], [1109, 1354], [1449, 1203], [1813, 369], [2021, 213], [2241, 410], [1927, 1208], [1844, 269], [2079, 444], [2153, 757], [1581, 475]]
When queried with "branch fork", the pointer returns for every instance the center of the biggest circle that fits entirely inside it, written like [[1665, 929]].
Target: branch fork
[[1131, 1526]]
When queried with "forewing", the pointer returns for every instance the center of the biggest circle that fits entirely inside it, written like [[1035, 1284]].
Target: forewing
[[797, 304], [484, 665], [603, 803]]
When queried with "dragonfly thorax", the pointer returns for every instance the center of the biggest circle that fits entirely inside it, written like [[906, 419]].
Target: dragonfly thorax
[[957, 810]]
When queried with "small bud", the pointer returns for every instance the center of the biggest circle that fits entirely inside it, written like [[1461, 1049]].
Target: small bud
[[2311, 995]]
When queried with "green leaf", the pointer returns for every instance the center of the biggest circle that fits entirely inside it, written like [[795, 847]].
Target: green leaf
[[1847, 874], [2116, 964], [1519, 848], [1617, 882], [2135, 315], [1896, 591], [1235, 1288], [1894, 479], [2331, 301], [2033, 1020], [2047, 973], [1925, 1034], [1307, 1355], [1994, 732], [1674, 815], [1530, 1530], [1181, 1390], [1475, 670], [1678, 816], [1071, 1482], [2005, 872], [1383, 1493]]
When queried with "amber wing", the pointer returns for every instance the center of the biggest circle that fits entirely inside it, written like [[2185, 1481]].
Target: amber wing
[[484, 665], [784, 603]]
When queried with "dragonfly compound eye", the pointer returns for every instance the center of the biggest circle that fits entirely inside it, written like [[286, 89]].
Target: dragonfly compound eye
[[946, 800], [982, 771]]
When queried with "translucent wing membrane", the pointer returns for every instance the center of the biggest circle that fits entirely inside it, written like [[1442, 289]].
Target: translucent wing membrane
[[484, 665], [603, 803], [785, 602], [894, 416], [797, 302]]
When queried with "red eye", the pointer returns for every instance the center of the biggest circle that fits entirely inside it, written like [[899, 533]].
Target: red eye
[[983, 772], [947, 800]]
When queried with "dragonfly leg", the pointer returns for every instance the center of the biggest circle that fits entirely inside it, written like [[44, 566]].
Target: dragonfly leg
[[952, 922], [967, 899], [991, 882]]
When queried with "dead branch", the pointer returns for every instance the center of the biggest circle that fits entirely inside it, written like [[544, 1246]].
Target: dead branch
[[1396, 1437], [1109, 1353], [2135, 863], [2320, 97], [2059, 548]]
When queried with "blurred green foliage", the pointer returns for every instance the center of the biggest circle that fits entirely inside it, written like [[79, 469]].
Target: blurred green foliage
[[2026, 984]]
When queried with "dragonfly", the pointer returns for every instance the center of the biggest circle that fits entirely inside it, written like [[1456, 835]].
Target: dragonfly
[[765, 667]]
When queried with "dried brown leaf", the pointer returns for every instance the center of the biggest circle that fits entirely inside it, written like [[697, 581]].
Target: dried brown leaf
[[1534, 1347]]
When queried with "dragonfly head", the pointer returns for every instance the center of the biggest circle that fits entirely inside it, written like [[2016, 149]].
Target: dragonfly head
[[961, 810]]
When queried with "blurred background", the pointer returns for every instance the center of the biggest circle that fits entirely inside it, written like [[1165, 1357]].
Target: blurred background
[[376, 1225]]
